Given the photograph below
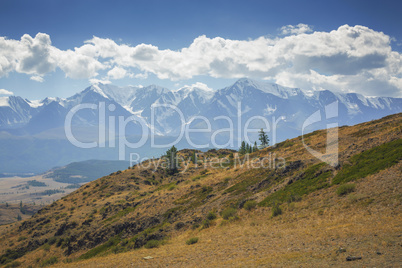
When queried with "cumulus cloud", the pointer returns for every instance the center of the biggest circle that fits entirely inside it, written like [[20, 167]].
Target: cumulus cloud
[[36, 56], [37, 78], [77, 65], [5, 92], [117, 73], [296, 29], [350, 58]]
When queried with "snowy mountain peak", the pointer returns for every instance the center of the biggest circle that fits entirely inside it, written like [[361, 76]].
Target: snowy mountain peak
[[266, 87], [199, 90], [122, 95], [96, 88], [155, 89]]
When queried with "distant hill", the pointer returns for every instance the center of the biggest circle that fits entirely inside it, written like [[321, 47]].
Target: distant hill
[[305, 213], [86, 171]]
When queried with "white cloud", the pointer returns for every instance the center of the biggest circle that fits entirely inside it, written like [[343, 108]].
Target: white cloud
[[201, 86], [350, 58], [37, 78], [117, 73], [29, 55], [140, 75], [5, 92], [96, 81], [296, 29], [76, 65]]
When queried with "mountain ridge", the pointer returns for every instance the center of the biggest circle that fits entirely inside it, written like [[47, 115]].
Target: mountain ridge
[[166, 114], [197, 101]]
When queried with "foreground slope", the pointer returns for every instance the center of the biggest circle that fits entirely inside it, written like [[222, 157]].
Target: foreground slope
[[116, 219]]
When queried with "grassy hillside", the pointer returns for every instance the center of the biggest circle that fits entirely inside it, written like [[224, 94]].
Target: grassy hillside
[[303, 213]]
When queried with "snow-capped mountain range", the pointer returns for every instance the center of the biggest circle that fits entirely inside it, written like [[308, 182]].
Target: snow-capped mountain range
[[255, 98], [33, 139]]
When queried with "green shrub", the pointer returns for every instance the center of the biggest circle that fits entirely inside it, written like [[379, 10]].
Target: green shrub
[[21, 238], [99, 249], [311, 179], [293, 198], [206, 224], [52, 240], [50, 261], [370, 162], [227, 179], [196, 178], [250, 205], [345, 189], [211, 216], [228, 213], [13, 264], [276, 211], [152, 244], [46, 247], [171, 187], [192, 241]]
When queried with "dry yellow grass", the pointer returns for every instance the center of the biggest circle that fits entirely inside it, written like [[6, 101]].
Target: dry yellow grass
[[308, 233]]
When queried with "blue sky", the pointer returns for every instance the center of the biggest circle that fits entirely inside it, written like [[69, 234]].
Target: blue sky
[[174, 43]]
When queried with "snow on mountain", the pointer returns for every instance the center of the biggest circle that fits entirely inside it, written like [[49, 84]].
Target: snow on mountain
[[256, 98], [198, 90], [35, 103], [14, 112], [122, 95], [274, 89]]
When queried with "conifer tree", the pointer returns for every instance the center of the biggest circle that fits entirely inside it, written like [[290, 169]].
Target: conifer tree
[[171, 157], [194, 158], [255, 148], [263, 138], [242, 149]]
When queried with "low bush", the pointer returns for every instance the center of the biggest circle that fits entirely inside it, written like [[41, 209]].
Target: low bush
[[50, 261], [250, 205], [228, 213], [206, 224], [211, 216], [13, 264], [152, 244], [345, 189], [196, 178], [293, 198], [203, 172], [22, 238], [227, 179], [192, 241], [171, 187], [276, 211], [46, 247]]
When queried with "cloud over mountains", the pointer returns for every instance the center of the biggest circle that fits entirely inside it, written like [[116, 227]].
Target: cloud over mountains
[[351, 58]]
